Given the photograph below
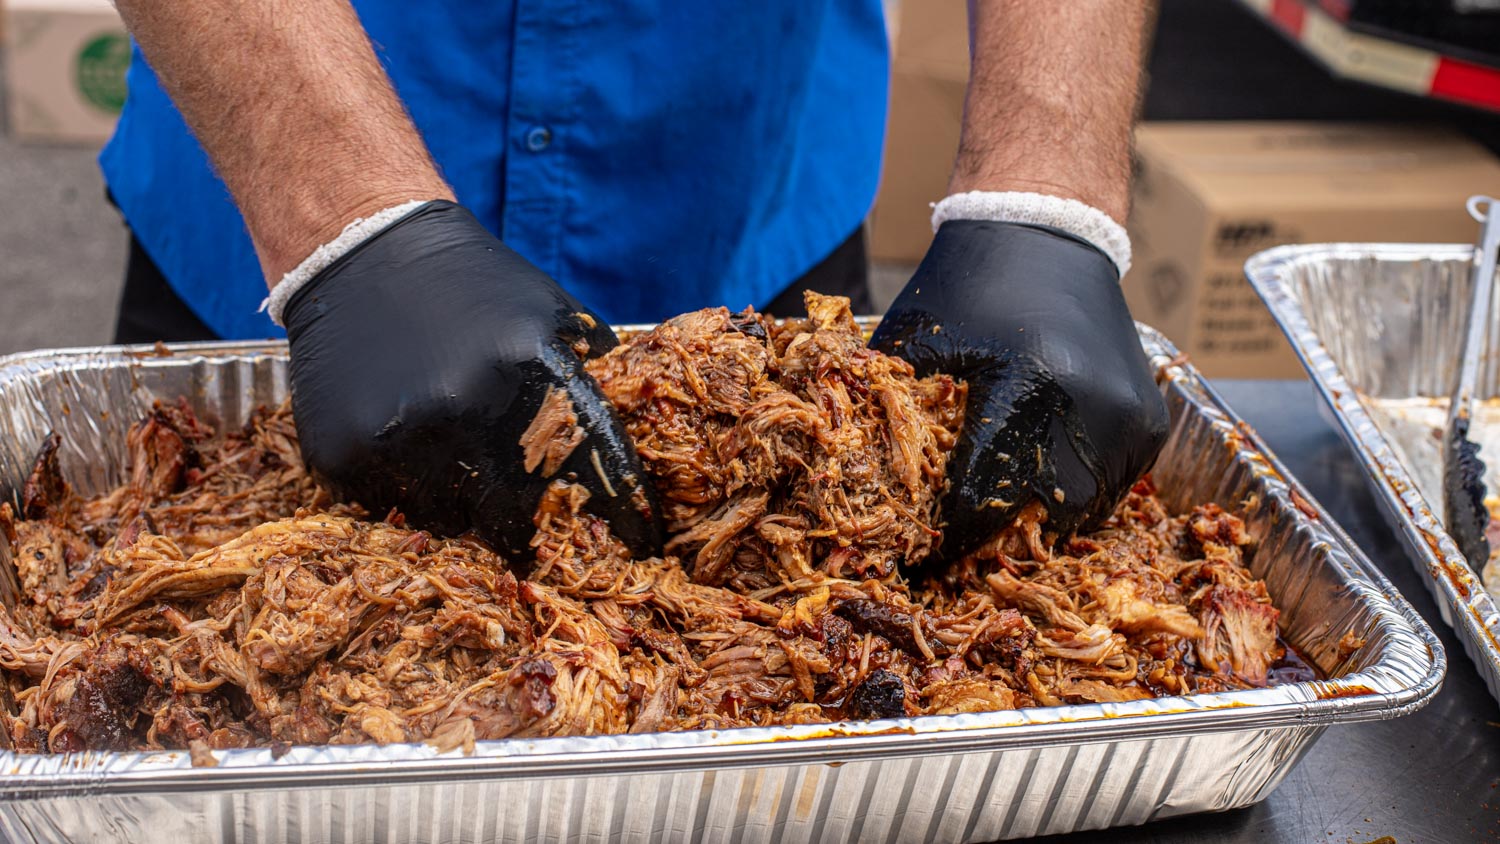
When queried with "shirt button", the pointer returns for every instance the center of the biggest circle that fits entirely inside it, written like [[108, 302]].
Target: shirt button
[[538, 138]]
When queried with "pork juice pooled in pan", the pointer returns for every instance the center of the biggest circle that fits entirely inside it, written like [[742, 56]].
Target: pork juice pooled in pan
[[219, 598]]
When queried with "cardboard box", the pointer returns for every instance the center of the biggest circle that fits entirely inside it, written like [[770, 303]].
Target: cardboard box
[[1209, 195], [929, 68], [65, 69]]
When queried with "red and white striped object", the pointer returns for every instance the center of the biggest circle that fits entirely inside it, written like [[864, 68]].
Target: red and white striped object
[[1319, 26]]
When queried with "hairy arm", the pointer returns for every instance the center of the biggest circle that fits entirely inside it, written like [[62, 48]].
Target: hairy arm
[[294, 110], [1052, 97]]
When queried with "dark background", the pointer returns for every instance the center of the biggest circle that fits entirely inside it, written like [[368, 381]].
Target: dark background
[[1215, 60]]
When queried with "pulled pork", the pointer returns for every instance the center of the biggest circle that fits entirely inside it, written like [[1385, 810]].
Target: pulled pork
[[784, 453], [218, 598]]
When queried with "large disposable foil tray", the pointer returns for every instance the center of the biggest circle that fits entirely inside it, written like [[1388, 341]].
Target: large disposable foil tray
[[1378, 327], [976, 777]]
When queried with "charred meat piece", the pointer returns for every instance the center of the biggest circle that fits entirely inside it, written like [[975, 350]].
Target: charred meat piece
[[102, 709], [881, 695], [45, 487], [882, 620]]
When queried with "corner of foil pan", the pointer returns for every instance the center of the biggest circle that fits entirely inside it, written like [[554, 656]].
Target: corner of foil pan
[[1416, 669]]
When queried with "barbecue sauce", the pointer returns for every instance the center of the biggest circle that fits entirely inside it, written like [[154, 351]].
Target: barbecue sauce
[[1291, 668]]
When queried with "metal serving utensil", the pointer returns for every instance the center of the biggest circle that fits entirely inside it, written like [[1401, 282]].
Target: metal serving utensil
[[1464, 513]]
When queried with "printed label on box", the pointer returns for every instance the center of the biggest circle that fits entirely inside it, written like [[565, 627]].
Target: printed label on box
[[101, 69]]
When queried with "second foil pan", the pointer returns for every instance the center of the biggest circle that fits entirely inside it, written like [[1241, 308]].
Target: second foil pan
[[1378, 327]]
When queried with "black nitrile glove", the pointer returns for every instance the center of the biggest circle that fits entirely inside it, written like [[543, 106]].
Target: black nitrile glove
[[1062, 404], [419, 360]]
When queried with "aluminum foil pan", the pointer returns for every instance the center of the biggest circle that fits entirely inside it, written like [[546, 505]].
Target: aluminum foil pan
[[1378, 327], [975, 777]]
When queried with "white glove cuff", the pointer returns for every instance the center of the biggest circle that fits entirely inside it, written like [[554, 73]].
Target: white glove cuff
[[357, 232], [1067, 215]]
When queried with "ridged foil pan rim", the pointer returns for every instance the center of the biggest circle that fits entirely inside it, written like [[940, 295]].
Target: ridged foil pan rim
[[1406, 675], [1471, 609]]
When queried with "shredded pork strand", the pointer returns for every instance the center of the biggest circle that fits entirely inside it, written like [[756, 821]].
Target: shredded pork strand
[[220, 599]]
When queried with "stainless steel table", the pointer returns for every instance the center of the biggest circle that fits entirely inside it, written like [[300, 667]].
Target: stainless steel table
[[1430, 777]]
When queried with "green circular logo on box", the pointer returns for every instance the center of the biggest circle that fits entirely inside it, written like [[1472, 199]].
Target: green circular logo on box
[[101, 71]]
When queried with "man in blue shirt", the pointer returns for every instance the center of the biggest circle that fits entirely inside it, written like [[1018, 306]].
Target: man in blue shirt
[[432, 192]]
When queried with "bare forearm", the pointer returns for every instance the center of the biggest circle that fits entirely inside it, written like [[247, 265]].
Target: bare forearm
[[294, 110], [1052, 97]]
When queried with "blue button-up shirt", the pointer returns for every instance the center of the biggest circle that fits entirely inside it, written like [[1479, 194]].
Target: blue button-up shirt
[[652, 157]]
